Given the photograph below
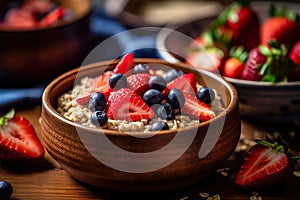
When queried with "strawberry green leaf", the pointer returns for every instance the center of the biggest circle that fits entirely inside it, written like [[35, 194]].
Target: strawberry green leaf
[[264, 50], [269, 78], [9, 115]]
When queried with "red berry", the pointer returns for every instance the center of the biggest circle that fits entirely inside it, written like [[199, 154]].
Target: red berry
[[125, 104], [18, 139]]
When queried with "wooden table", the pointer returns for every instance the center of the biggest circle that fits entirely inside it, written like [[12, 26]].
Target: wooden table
[[44, 179]]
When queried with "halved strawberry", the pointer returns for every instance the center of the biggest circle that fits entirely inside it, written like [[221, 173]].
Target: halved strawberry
[[196, 108], [18, 139], [185, 83], [125, 104], [125, 64], [139, 82], [267, 163]]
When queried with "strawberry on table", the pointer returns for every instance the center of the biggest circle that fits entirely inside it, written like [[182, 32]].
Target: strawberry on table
[[18, 139], [267, 163]]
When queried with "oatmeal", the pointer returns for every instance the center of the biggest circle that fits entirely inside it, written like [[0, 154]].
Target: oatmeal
[[140, 101]]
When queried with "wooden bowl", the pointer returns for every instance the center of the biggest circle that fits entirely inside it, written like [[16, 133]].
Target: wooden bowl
[[28, 57], [125, 161]]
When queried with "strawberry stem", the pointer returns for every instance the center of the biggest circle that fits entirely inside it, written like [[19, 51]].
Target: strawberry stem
[[9, 115], [279, 145]]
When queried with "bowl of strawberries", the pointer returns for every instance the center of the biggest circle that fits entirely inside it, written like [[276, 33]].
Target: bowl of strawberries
[[253, 45], [41, 39], [139, 124]]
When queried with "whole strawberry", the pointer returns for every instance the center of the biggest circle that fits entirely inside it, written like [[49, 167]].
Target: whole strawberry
[[295, 53], [282, 26], [267, 163], [244, 23], [234, 65], [253, 63], [268, 63]]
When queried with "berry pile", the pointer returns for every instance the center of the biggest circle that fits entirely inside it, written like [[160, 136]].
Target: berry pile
[[239, 46], [134, 92], [28, 14]]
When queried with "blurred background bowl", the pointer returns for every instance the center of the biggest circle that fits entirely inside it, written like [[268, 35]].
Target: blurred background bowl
[[29, 57], [75, 146], [265, 101]]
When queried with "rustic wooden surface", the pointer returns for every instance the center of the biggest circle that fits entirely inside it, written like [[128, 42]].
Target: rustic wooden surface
[[44, 179]]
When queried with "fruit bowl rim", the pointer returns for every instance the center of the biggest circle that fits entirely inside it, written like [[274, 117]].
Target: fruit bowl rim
[[47, 105]]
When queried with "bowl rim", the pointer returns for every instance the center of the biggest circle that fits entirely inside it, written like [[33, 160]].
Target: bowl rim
[[46, 104], [263, 85], [58, 26]]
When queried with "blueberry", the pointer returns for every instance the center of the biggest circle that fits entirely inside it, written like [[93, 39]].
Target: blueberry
[[117, 81], [206, 95], [165, 111], [158, 83], [140, 68], [98, 118], [152, 96], [173, 74], [159, 126], [176, 98], [97, 101], [6, 190]]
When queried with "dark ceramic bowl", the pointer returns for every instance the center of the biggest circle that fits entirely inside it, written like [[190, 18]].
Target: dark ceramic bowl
[[125, 161], [35, 56], [280, 101]]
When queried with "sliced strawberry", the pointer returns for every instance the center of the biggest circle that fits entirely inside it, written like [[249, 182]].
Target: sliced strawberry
[[52, 17], [125, 64], [185, 83], [125, 104], [18, 139], [139, 82], [210, 59], [267, 163], [98, 84], [196, 108]]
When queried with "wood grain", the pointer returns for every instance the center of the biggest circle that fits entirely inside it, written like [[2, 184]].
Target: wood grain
[[44, 180]]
